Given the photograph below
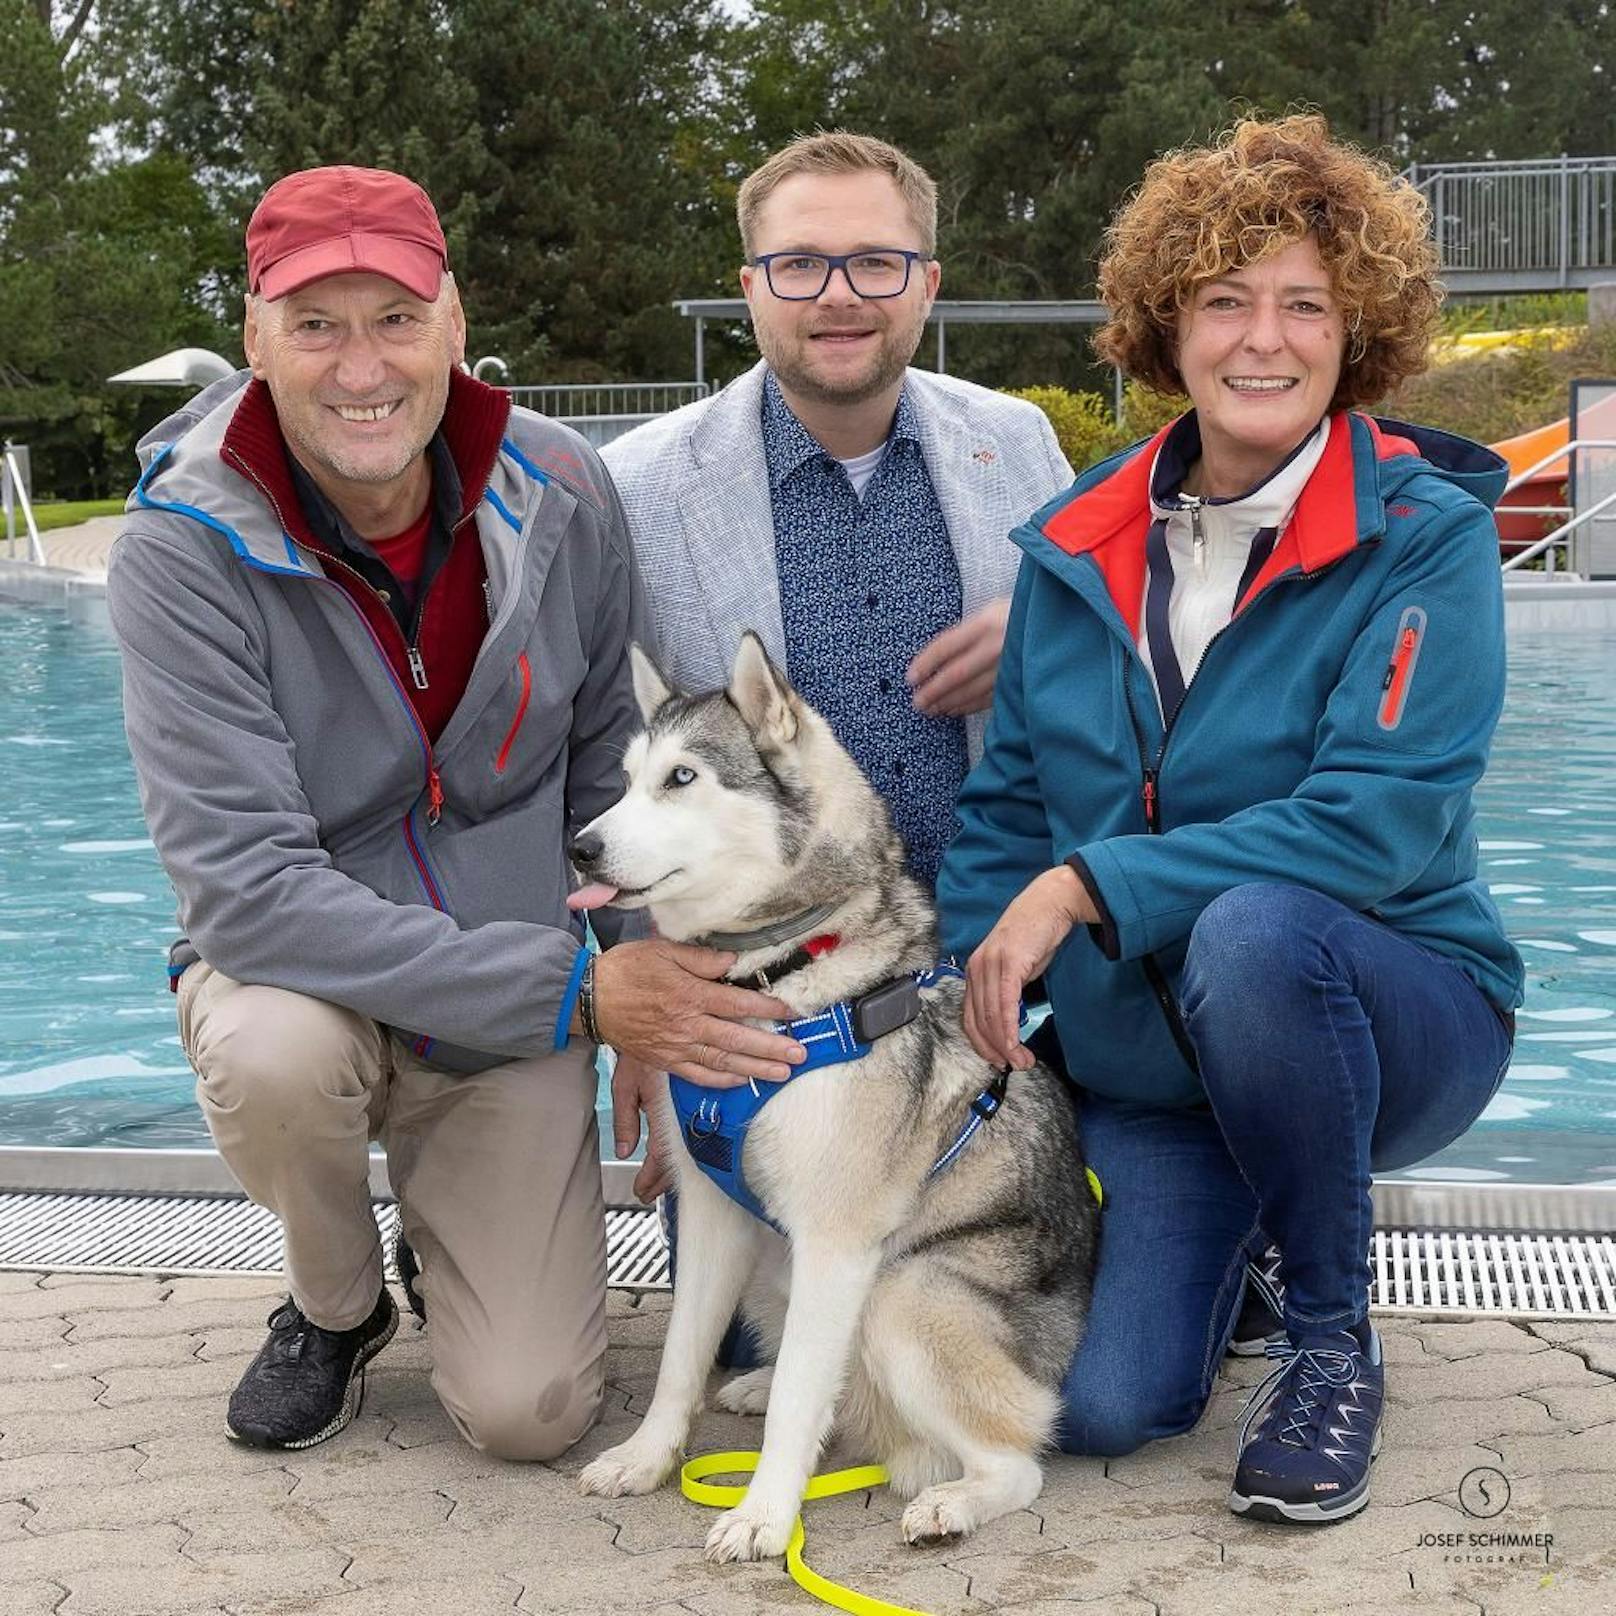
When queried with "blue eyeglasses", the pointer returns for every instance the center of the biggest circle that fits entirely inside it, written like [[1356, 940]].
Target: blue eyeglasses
[[799, 277]]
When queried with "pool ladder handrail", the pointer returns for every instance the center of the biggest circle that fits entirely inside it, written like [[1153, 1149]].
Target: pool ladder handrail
[[16, 491], [1561, 535]]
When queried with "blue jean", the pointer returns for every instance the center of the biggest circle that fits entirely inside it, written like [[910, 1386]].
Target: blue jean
[[1330, 1046]]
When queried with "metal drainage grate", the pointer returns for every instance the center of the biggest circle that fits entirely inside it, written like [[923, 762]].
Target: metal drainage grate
[[1427, 1271], [166, 1234], [1522, 1276]]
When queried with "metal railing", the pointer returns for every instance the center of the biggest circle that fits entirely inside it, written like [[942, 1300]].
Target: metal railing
[[15, 497], [1538, 225], [1562, 535], [599, 430], [568, 401]]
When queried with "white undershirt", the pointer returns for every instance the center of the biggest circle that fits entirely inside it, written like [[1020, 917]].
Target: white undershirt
[[861, 468], [1204, 586]]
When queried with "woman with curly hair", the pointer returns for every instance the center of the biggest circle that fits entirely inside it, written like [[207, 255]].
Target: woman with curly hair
[[1251, 676]]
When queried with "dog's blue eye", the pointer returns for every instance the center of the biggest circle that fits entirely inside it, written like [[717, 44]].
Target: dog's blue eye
[[681, 776]]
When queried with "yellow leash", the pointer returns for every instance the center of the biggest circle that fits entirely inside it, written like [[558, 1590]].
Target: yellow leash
[[693, 1485]]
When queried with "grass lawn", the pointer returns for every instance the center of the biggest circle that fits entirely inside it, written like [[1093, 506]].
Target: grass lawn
[[65, 513]]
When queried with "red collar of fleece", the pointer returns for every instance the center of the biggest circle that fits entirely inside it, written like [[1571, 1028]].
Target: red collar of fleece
[[1110, 520], [474, 421]]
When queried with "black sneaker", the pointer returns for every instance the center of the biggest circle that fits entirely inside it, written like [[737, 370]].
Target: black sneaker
[[306, 1383], [1311, 1430], [409, 1272], [1261, 1324]]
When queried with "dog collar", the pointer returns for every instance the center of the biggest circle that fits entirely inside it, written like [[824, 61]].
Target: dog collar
[[798, 959], [743, 942]]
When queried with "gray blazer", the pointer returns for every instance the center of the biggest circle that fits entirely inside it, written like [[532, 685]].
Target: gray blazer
[[696, 490]]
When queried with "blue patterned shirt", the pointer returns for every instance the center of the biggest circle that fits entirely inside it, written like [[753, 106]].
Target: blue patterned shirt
[[864, 584]]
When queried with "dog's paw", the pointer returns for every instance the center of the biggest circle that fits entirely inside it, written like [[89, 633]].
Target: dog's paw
[[748, 1393], [745, 1534], [629, 1468], [938, 1515]]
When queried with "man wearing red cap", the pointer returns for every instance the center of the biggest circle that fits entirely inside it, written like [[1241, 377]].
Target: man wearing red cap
[[374, 625]]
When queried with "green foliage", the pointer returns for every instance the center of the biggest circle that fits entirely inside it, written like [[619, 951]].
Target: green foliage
[[70, 512], [1084, 423], [1497, 395], [1515, 313], [597, 201], [100, 266], [567, 147], [585, 157], [1146, 411]]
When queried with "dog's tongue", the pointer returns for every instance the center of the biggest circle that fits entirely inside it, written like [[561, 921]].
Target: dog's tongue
[[592, 896]]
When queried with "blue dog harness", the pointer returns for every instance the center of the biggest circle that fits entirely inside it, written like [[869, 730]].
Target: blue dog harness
[[715, 1122]]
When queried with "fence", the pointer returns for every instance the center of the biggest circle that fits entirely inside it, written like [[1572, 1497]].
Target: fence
[[569, 401], [1542, 225], [602, 411]]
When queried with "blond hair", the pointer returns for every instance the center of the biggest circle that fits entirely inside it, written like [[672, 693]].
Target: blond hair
[[1267, 183], [837, 151]]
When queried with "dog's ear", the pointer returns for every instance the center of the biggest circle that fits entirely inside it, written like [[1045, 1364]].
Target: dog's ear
[[651, 690], [761, 694]]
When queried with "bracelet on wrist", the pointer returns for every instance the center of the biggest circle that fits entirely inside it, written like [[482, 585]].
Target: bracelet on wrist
[[586, 1001]]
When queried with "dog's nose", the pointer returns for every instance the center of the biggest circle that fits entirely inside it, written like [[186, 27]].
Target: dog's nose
[[585, 848]]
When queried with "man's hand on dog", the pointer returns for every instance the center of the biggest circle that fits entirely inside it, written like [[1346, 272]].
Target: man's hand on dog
[[954, 674], [661, 1003], [1019, 948]]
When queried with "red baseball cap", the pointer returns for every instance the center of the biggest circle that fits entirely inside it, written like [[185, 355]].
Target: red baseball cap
[[336, 221]]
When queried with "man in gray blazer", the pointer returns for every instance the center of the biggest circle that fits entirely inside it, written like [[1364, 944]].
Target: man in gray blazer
[[853, 512]]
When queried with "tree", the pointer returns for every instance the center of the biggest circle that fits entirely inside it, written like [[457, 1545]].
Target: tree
[[101, 266], [1033, 116], [599, 201], [565, 146]]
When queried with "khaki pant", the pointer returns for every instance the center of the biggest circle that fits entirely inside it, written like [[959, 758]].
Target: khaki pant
[[498, 1180]]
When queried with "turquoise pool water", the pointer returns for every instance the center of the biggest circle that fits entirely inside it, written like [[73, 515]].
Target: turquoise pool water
[[89, 1054]]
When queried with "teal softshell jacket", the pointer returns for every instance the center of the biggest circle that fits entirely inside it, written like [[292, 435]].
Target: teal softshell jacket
[[1331, 737]]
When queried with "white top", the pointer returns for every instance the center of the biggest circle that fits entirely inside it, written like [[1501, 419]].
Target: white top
[[861, 468], [1206, 576]]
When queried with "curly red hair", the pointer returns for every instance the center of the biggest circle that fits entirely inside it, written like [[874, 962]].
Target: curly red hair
[[1267, 183]]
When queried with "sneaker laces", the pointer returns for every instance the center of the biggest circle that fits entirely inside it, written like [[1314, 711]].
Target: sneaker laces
[[1301, 1404], [1262, 1279], [292, 1332]]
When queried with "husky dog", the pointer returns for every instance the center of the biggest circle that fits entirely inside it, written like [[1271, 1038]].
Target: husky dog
[[930, 1309]]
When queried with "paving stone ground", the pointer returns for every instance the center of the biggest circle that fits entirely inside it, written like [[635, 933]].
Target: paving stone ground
[[120, 1495]]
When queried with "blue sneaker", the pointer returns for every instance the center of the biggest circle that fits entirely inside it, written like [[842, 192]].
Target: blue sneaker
[[1261, 1323], [1311, 1429]]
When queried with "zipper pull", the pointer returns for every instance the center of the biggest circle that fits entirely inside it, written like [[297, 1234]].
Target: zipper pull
[[1148, 792], [1197, 537], [417, 667], [1404, 646], [488, 599], [434, 795]]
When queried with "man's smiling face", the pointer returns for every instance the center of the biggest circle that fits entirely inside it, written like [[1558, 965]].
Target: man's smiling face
[[838, 348], [359, 371]]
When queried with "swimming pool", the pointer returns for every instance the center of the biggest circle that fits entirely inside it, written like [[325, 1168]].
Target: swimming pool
[[89, 1054]]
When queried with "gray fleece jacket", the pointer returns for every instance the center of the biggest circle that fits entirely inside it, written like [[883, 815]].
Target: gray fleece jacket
[[285, 776]]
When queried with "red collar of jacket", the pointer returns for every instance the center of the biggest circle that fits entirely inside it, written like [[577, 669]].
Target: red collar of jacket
[[473, 425], [1110, 520]]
